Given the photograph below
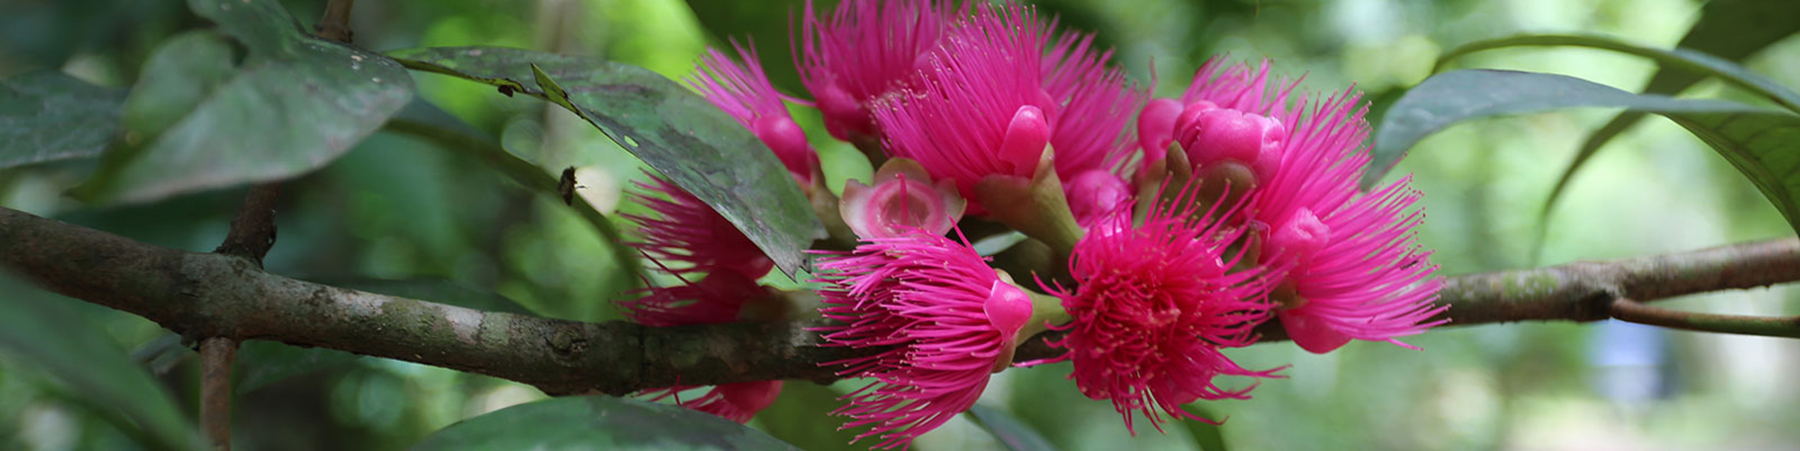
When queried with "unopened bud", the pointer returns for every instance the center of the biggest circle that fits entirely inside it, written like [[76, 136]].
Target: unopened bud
[[789, 144], [1302, 237], [1211, 135], [1156, 127], [1025, 140], [1094, 194]]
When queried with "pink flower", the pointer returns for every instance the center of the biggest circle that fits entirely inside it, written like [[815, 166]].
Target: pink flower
[[688, 231], [902, 200], [721, 297], [989, 105], [1353, 269], [1154, 305], [743, 91], [938, 320], [866, 49]]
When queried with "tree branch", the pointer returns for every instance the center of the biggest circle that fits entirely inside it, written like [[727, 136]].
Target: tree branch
[[206, 295]]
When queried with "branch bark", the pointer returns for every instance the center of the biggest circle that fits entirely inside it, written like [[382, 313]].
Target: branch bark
[[206, 295], [216, 355]]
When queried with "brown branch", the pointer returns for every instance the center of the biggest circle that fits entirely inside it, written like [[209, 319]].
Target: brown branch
[[208, 295], [1632, 311], [216, 355]]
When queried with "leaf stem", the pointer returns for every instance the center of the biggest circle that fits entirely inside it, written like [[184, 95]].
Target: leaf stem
[[1635, 312]]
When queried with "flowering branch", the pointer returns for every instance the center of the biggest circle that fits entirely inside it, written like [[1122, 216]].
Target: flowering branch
[[208, 295]]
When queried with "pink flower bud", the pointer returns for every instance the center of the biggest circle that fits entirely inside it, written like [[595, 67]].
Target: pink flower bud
[[1212, 135], [844, 115], [749, 397], [1007, 308], [1301, 238], [789, 144], [1025, 139], [1093, 194], [1156, 127], [902, 200], [1312, 332]]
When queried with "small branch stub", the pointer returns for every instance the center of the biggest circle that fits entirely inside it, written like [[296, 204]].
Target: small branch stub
[[253, 231]]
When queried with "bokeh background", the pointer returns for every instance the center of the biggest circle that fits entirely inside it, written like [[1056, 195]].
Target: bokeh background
[[398, 208]]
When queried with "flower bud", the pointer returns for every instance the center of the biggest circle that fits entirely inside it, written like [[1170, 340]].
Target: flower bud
[[1211, 135], [1156, 127], [1302, 237], [844, 116], [1093, 194], [789, 144], [1025, 139], [1008, 308]]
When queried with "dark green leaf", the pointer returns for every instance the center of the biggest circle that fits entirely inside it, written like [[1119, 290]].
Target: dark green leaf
[[260, 363], [598, 423], [49, 116], [675, 131], [1015, 434], [1207, 436], [293, 105], [802, 416], [40, 328], [1763, 144]]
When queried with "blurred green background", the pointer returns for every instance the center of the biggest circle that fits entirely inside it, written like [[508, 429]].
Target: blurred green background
[[399, 208]]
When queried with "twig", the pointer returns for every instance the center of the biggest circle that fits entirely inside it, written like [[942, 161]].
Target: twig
[[216, 355], [335, 25], [253, 231], [1634, 312], [208, 295]]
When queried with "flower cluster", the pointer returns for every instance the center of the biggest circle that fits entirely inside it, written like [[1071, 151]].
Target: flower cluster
[[1188, 223]]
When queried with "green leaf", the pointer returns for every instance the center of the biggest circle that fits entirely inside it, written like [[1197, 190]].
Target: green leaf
[[1207, 436], [1015, 434], [40, 328], [691, 142], [598, 422], [48, 116], [292, 106], [1691, 64], [1763, 144], [802, 416], [261, 363], [426, 121]]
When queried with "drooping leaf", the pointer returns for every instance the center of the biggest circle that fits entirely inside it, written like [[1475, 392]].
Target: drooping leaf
[[49, 116], [260, 363], [1015, 434], [1763, 144], [680, 134], [598, 422], [802, 416], [42, 329], [1692, 66], [292, 106]]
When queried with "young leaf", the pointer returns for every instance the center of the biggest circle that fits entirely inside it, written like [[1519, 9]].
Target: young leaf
[[1763, 144], [1691, 64], [702, 149], [598, 422], [1015, 434], [48, 116], [43, 330], [292, 106]]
